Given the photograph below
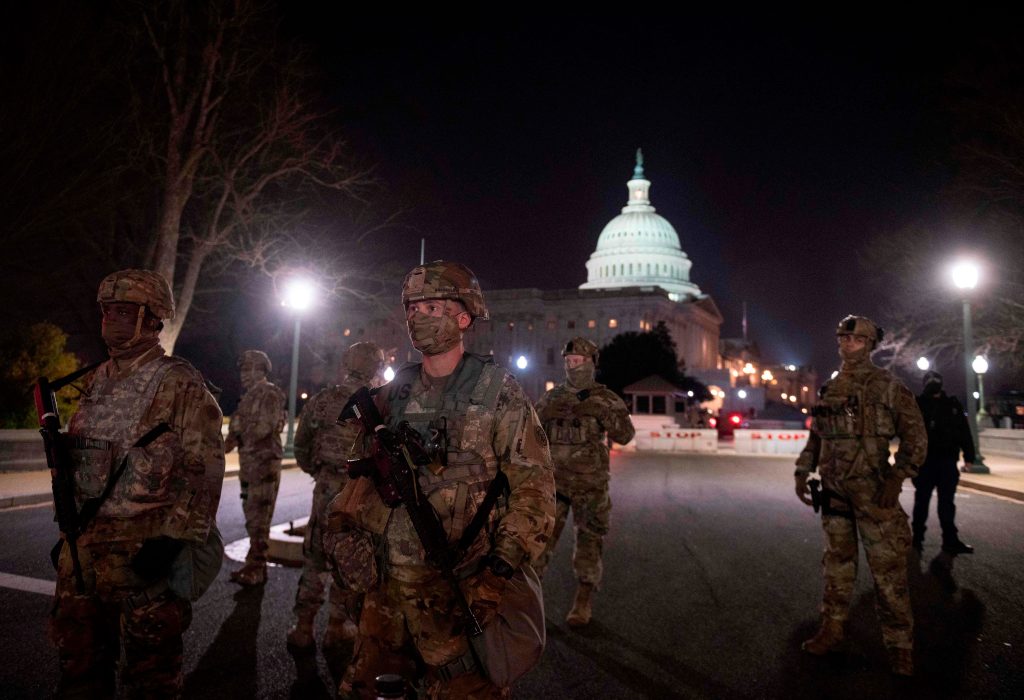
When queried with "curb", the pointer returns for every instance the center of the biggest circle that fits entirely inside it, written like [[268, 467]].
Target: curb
[[1005, 493]]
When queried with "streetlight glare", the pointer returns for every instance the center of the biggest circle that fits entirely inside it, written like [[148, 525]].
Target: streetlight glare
[[965, 274], [742, 394], [389, 374], [521, 362], [980, 365], [299, 294], [923, 364]]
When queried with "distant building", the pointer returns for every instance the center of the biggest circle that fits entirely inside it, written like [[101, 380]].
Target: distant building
[[637, 276]]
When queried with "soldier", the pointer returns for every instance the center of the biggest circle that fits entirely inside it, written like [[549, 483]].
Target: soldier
[[322, 448], [480, 427], [577, 415], [948, 434], [255, 429], [857, 414], [155, 496]]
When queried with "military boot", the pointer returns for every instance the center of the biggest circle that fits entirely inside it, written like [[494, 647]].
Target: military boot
[[828, 637], [252, 574], [579, 616], [901, 661], [300, 637]]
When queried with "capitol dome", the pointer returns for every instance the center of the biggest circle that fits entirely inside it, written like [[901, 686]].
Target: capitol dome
[[639, 248]]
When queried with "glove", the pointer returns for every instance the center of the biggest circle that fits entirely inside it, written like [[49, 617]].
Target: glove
[[802, 490], [484, 590], [889, 492], [153, 562]]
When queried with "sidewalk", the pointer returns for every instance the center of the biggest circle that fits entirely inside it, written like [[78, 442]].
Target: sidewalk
[[23, 488], [1006, 479]]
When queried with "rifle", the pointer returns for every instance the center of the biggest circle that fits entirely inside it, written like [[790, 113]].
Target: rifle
[[58, 459], [397, 457]]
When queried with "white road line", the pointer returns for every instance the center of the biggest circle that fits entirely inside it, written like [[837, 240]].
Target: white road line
[[24, 583]]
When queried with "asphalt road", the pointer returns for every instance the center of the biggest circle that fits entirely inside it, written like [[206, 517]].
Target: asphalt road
[[711, 581]]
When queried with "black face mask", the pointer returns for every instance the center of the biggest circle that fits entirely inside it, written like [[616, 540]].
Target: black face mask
[[932, 388]]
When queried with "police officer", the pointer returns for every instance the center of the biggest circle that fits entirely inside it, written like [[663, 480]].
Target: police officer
[[255, 428], [578, 416], [147, 433], [322, 448], [478, 424], [857, 414], [948, 434]]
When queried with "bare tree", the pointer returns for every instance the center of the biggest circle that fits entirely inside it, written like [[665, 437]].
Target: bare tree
[[241, 149]]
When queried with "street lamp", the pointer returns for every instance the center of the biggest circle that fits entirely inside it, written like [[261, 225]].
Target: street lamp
[[522, 362], [923, 364], [965, 277], [299, 294], [980, 366], [389, 373]]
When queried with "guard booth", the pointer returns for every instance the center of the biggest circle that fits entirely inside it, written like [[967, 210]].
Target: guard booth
[[658, 409]]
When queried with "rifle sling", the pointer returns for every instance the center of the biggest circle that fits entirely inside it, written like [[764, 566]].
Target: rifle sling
[[497, 488], [92, 506]]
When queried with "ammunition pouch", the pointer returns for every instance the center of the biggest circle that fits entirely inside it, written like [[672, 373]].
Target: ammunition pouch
[[92, 462]]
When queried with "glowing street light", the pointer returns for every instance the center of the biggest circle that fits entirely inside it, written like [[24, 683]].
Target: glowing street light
[[965, 277], [742, 394], [299, 294], [923, 364], [522, 362], [389, 373], [980, 366]]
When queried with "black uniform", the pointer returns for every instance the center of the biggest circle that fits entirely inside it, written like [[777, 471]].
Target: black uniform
[[948, 434]]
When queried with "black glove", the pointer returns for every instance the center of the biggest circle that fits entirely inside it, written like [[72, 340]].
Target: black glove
[[154, 560]]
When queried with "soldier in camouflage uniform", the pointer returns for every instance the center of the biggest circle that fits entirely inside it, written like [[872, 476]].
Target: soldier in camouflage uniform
[[165, 497], [322, 448], [255, 429], [577, 416], [857, 414], [479, 424]]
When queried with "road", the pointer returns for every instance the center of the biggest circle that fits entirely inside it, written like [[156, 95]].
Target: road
[[711, 581]]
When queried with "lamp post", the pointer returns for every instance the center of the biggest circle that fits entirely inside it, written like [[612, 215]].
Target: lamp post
[[980, 366], [298, 295], [965, 277]]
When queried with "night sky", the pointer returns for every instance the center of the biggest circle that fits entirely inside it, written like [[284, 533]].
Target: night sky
[[777, 147]]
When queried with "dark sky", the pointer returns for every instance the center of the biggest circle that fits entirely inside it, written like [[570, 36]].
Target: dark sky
[[777, 147]]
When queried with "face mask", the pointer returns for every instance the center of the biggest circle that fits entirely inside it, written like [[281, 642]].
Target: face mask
[[582, 376], [855, 356], [932, 388], [251, 378], [433, 335], [127, 337]]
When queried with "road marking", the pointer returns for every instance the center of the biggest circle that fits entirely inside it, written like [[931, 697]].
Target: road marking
[[24, 583]]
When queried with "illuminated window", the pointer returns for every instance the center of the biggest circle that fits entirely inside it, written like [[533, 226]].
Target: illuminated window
[[637, 194], [347, 332], [612, 323], [591, 323]]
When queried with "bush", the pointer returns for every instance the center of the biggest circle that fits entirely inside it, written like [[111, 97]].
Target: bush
[[27, 354]]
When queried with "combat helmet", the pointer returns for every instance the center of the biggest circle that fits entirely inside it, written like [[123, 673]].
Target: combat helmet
[[862, 326], [259, 358], [363, 361], [581, 346], [139, 287], [444, 279]]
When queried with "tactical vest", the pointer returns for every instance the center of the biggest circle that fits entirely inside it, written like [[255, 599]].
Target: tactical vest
[[332, 443], [460, 429], [269, 446], [109, 420], [577, 442], [850, 409]]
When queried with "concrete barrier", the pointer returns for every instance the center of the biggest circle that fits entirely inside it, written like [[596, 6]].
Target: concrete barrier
[[1002, 441], [676, 439], [770, 441], [21, 450]]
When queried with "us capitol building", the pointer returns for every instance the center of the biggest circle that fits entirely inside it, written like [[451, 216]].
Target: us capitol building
[[637, 276]]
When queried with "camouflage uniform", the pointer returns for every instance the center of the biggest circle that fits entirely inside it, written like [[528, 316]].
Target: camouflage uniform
[[577, 418], [480, 420], [856, 416], [255, 428], [169, 489], [322, 448]]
